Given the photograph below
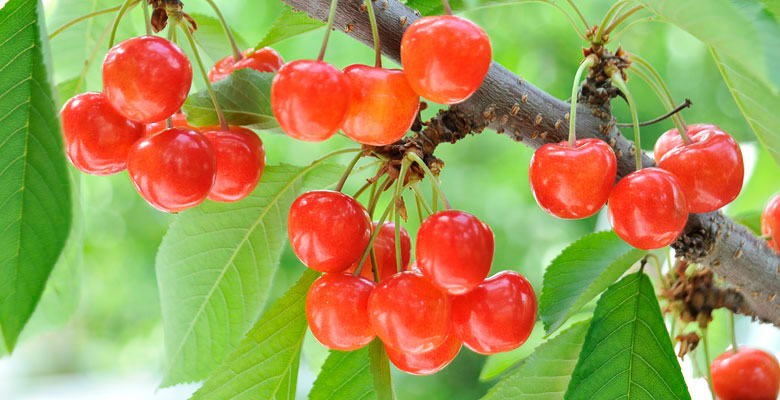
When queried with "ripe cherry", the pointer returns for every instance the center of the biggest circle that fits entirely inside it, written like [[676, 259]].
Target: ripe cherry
[[240, 162], [671, 139], [337, 311], [445, 58], [409, 314], [770, 222], [497, 316], [179, 121], [97, 138], [173, 170], [263, 60], [454, 250], [573, 182], [146, 78], [748, 374], [384, 248], [426, 363], [328, 230], [382, 105], [647, 208], [310, 99], [710, 170]]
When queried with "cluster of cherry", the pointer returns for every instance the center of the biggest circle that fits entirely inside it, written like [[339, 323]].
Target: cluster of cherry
[[423, 313]]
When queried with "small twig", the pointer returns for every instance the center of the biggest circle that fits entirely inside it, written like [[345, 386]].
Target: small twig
[[687, 103]]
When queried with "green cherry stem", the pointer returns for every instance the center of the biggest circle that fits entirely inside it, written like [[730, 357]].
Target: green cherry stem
[[733, 331], [622, 18], [617, 80], [587, 63], [375, 34], [603, 25], [679, 122], [577, 10], [328, 28], [419, 205], [379, 190], [414, 157], [447, 8], [226, 28], [418, 194], [147, 20], [348, 171], [122, 10], [398, 202], [370, 245], [705, 343], [83, 18]]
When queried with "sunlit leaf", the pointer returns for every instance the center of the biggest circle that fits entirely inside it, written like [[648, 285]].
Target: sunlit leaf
[[288, 24], [211, 37], [344, 376]]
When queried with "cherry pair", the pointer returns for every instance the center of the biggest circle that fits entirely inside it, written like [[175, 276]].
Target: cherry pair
[[747, 374]]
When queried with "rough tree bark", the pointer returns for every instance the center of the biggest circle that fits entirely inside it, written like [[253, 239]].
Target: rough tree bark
[[514, 107]]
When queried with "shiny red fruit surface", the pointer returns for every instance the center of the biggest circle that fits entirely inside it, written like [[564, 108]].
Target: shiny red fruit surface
[[263, 60], [97, 138], [647, 208], [382, 105], [328, 230], [240, 162], [146, 78], [409, 314], [497, 316], [384, 248], [454, 250], [710, 170], [749, 374], [173, 170], [770, 222], [671, 139], [337, 311], [572, 182], [426, 363], [179, 121], [445, 58], [310, 99]]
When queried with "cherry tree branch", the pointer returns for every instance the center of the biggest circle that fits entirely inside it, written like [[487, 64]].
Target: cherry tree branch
[[514, 107]]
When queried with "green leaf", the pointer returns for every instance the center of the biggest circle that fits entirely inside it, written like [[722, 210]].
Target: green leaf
[[627, 351], [344, 376], [245, 97], [546, 373], [380, 370], [752, 220], [582, 271], [35, 198], [211, 38], [434, 7], [288, 24], [215, 267], [260, 368]]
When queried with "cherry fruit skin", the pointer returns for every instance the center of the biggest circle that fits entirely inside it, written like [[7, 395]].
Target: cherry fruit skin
[[173, 170], [409, 314], [384, 248], [426, 363], [97, 138], [454, 250], [445, 58], [382, 105], [573, 182], [748, 374], [263, 60], [647, 208], [240, 162], [310, 99], [337, 311], [497, 316], [770, 222], [146, 78], [179, 121], [328, 230], [671, 139]]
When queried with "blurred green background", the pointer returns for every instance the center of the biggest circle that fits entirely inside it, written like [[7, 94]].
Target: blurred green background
[[98, 333]]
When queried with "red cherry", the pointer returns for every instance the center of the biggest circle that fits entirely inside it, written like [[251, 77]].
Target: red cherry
[[454, 250], [328, 230], [263, 60], [770, 222], [497, 316], [573, 182], [337, 311], [409, 314], [146, 78], [173, 170], [97, 138], [647, 208], [671, 139], [426, 363], [310, 99], [445, 58], [710, 170], [382, 106], [748, 374], [179, 121], [384, 248], [240, 162]]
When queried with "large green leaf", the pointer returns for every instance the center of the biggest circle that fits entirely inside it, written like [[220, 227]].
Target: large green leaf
[[288, 24], [627, 351], [261, 367], [35, 202], [344, 376], [582, 271], [546, 373], [215, 267]]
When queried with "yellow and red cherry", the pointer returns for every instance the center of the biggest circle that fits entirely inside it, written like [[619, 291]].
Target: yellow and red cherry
[[748, 374], [97, 138], [384, 248], [428, 362], [337, 311], [263, 60], [671, 139], [770, 222], [240, 162], [179, 121]]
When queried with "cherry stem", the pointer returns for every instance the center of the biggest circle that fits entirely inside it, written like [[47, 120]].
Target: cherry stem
[[414, 157], [577, 10], [612, 10], [622, 18], [733, 333], [370, 245], [418, 194], [82, 18], [374, 269], [91, 58], [447, 8], [419, 205], [687, 103], [375, 34], [362, 189], [617, 79], [679, 122], [122, 10], [706, 346], [147, 18], [587, 63], [377, 194], [348, 171], [223, 125], [398, 202], [228, 33], [328, 28]]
